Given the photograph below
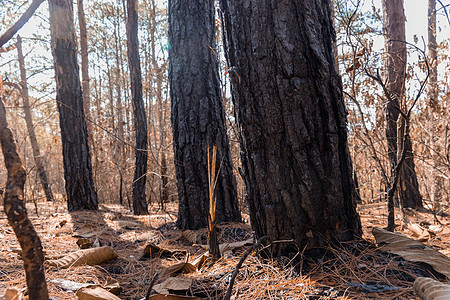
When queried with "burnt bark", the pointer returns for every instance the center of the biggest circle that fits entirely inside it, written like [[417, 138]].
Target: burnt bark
[[16, 213], [76, 157], [292, 121], [197, 115], [38, 158], [140, 121], [395, 76]]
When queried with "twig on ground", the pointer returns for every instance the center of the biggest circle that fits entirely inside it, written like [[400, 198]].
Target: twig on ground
[[150, 287], [235, 272]]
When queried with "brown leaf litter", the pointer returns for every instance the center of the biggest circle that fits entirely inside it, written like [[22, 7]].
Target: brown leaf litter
[[359, 270]]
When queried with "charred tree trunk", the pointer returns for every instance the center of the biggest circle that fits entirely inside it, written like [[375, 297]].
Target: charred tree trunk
[[16, 212], [395, 72], [198, 118], [38, 158], [292, 121], [80, 189], [140, 121]]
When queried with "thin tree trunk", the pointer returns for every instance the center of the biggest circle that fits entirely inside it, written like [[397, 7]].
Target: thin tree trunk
[[292, 122], [84, 62], [433, 108], [395, 73], [80, 189], [110, 86], [16, 212], [198, 117], [140, 122], [38, 158], [120, 157]]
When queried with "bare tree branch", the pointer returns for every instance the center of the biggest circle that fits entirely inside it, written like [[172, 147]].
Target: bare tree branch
[[444, 7], [5, 37]]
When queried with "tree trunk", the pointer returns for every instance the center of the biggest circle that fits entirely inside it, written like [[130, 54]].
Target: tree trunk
[[38, 158], [80, 189], [433, 108], [120, 155], [395, 73], [334, 43], [198, 118], [84, 60], [140, 121], [16, 212], [292, 122]]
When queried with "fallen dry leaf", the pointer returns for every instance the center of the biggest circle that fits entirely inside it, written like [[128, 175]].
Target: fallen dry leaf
[[178, 268], [94, 256], [199, 261], [69, 285], [147, 236], [430, 289], [11, 294], [230, 246], [87, 231], [421, 233], [175, 284], [190, 236], [112, 285], [94, 292], [152, 251], [172, 297], [412, 250], [84, 243], [128, 224]]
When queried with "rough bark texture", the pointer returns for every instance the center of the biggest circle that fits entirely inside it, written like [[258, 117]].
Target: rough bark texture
[[38, 158], [140, 121], [437, 184], [84, 60], [198, 118], [395, 76], [77, 159], [433, 90], [292, 121], [16, 212]]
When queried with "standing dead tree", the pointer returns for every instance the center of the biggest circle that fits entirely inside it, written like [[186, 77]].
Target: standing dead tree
[[140, 121], [16, 212], [38, 159], [403, 126]]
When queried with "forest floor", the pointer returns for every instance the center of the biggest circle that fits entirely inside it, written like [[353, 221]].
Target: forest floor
[[359, 270]]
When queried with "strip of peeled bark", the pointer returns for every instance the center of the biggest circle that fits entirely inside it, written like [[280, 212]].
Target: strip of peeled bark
[[38, 159], [16, 212], [292, 122]]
